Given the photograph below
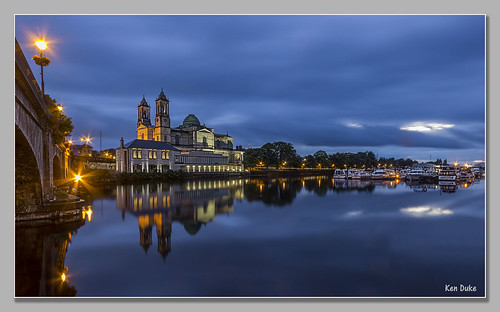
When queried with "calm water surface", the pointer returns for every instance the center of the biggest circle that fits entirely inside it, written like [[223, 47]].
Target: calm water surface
[[282, 237]]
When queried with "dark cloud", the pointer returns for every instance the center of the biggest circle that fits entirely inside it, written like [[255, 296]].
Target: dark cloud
[[267, 78]]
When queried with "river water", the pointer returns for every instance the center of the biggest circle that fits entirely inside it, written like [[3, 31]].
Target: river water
[[309, 237]]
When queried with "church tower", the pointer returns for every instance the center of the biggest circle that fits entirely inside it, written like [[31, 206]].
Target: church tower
[[162, 120], [143, 113], [144, 127]]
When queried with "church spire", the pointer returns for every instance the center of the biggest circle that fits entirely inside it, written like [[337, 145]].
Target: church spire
[[162, 96]]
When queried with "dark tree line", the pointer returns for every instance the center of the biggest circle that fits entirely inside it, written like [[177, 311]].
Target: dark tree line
[[283, 155]]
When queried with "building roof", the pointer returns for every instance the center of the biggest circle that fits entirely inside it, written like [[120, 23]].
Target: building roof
[[143, 102], [162, 96], [150, 144], [190, 120]]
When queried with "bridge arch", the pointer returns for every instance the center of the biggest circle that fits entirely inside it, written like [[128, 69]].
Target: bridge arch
[[28, 173]]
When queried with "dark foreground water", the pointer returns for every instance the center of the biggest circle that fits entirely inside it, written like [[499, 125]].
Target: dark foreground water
[[257, 238]]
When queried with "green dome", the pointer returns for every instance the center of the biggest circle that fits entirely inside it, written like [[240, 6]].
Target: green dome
[[191, 120]]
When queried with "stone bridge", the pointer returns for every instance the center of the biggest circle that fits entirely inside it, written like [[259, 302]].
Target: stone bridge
[[40, 164]]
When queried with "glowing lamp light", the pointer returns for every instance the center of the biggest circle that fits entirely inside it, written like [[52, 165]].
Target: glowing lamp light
[[60, 108], [41, 44], [78, 178], [87, 213], [63, 277]]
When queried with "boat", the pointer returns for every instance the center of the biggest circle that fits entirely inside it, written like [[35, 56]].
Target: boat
[[380, 174], [415, 174], [448, 173], [339, 174], [354, 174], [364, 174], [359, 174], [402, 174], [391, 173]]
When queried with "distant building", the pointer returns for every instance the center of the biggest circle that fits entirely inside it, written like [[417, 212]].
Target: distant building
[[146, 156], [84, 150], [194, 147]]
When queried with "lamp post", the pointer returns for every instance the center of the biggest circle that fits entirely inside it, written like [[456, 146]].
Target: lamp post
[[40, 59]]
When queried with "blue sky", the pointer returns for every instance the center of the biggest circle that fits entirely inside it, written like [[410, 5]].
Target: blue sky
[[398, 85]]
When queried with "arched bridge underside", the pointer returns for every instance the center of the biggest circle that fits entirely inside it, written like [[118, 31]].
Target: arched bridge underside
[[38, 160]]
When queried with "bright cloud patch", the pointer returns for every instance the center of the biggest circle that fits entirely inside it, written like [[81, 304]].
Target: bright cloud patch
[[353, 125], [426, 127], [421, 211]]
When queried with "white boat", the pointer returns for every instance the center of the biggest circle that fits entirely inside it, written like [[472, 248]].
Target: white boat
[[448, 173], [380, 174], [391, 173], [415, 174], [339, 174], [354, 174], [402, 174], [361, 174]]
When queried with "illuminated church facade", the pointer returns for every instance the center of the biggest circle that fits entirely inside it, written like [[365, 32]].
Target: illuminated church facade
[[191, 146]]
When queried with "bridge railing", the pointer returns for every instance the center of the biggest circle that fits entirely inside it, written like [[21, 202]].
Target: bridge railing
[[28, 77]]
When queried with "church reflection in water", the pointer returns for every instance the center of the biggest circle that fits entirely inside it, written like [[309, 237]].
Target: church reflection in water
[[193, 204]]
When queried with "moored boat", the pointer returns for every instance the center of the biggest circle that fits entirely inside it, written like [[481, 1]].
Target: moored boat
[[448, 173], [415, 174], [339, 174], [380, 174]]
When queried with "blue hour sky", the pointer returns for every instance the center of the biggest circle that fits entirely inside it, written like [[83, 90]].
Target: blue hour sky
[[398, 85]]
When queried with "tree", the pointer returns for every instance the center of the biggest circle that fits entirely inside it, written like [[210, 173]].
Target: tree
[[269, 154], [60, 124], [286, 153], [310, 161], [253, 156], [322, 159]]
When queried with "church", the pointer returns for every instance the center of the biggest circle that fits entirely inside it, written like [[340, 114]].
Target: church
[[193, 146]]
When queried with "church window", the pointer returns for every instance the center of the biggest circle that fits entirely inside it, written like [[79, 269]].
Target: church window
[[165, 138], [177, 139], [134, 154]]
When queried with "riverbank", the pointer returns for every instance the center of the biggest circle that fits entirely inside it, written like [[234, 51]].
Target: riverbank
[[100, 177], [55, 212]]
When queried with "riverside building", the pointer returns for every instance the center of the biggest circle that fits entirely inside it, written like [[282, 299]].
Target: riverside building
[[190, 147]]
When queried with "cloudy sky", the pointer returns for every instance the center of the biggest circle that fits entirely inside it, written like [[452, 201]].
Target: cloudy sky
[[398, 85]]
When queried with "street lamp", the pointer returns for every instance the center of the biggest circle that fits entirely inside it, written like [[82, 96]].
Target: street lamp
[[40, 59]]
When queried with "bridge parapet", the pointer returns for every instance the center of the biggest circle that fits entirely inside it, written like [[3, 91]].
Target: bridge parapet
[[33, 132]]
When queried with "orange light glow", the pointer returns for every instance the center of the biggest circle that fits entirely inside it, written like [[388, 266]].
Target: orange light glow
[[78, 178], [87, 213], [63, 277], [41, 44]]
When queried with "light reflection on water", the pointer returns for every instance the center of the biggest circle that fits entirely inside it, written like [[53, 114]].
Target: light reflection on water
[[277, 237]]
